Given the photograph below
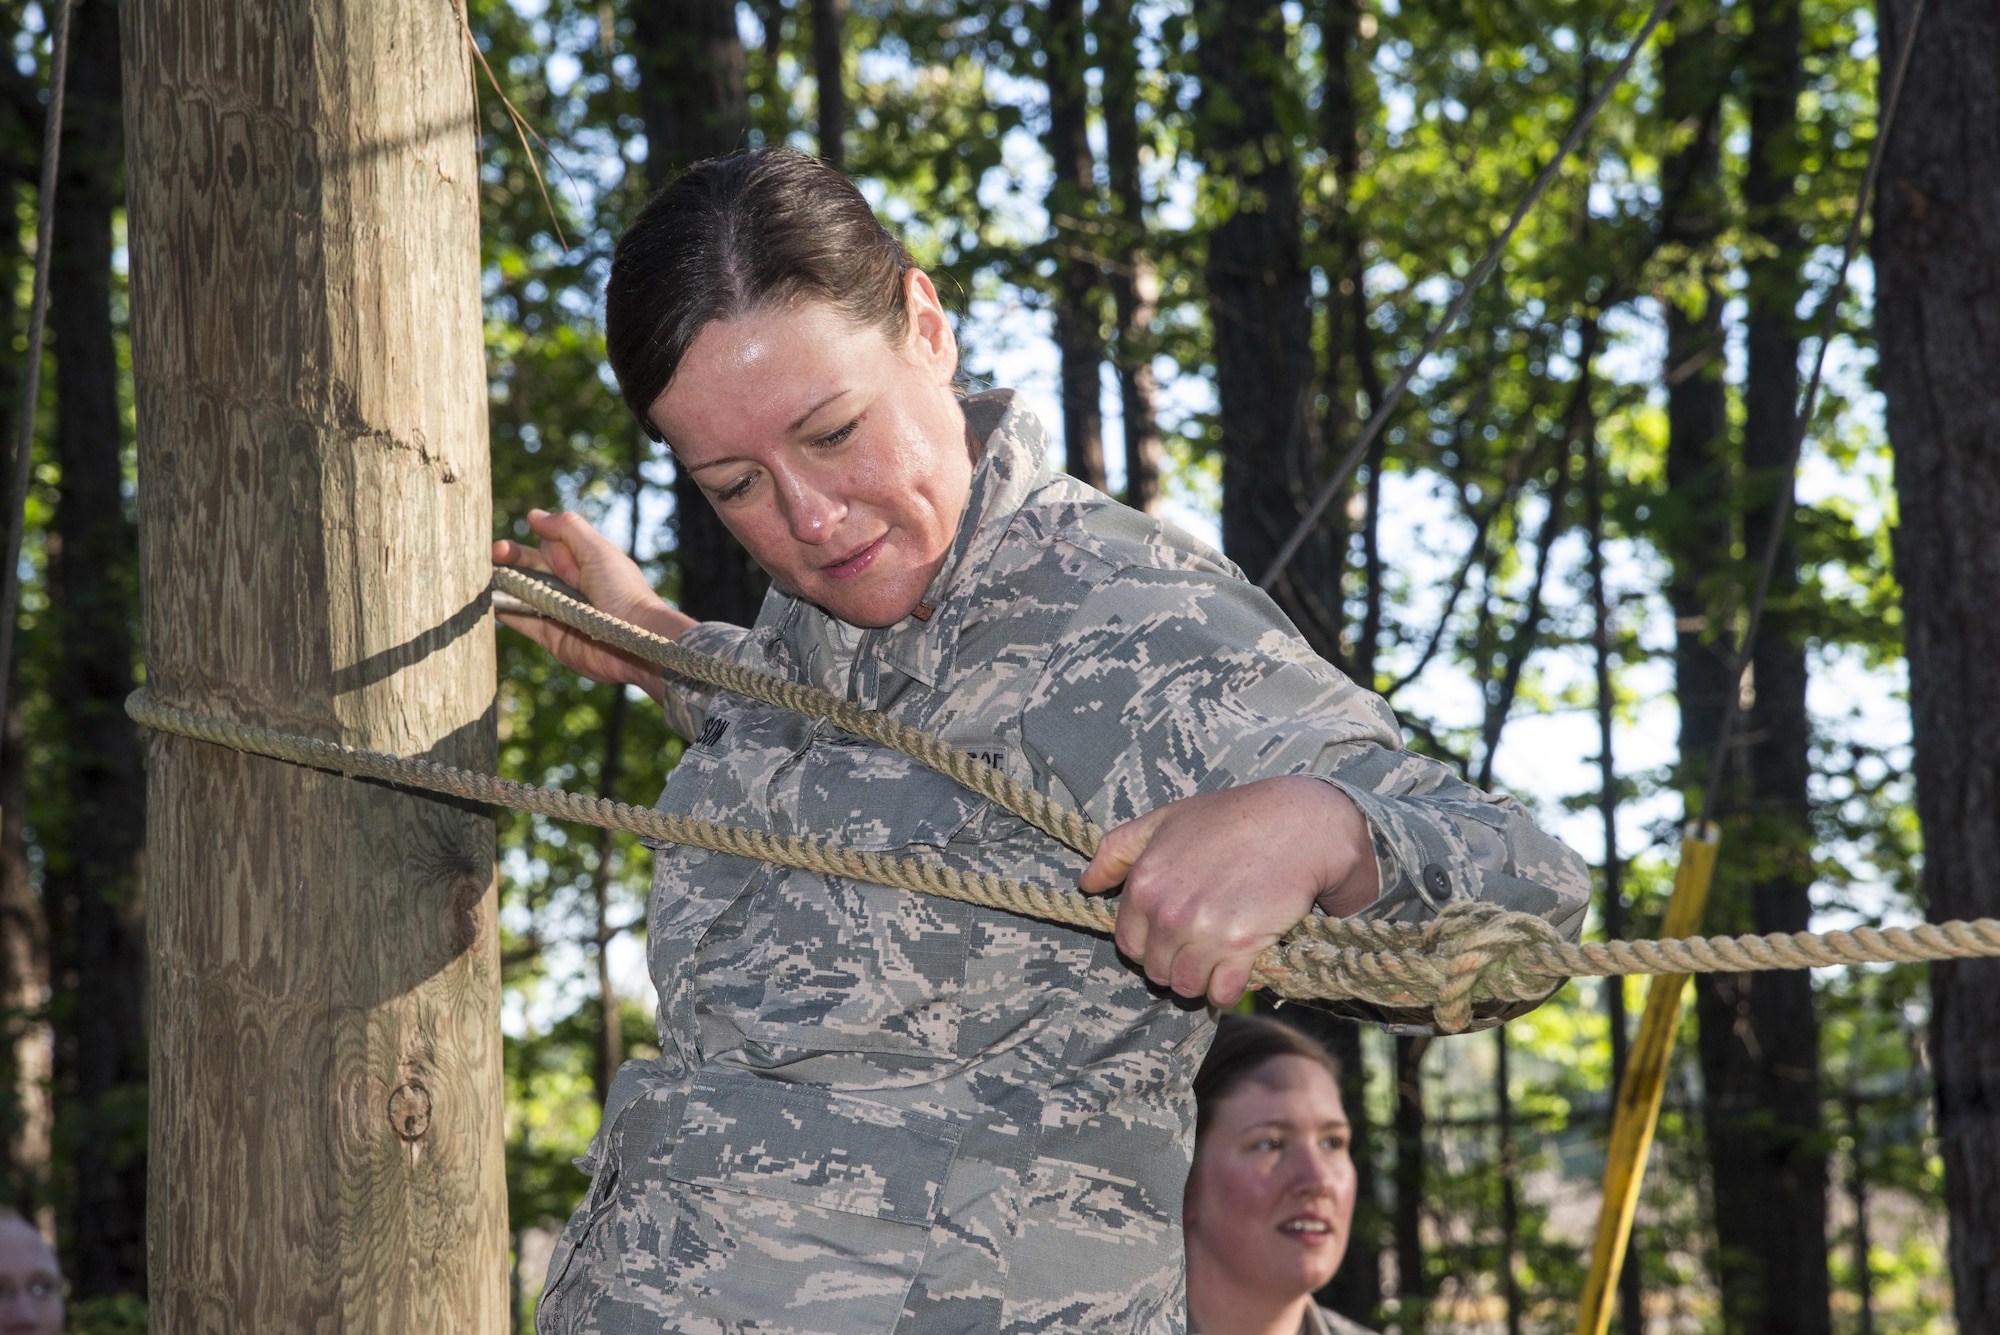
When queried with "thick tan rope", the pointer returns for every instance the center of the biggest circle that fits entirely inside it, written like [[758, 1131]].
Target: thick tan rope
[[1059, 822], [1471, 952], [1065, 906]]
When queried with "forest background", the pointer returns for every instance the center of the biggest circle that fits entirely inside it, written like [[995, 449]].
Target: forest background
[[1201, 240]]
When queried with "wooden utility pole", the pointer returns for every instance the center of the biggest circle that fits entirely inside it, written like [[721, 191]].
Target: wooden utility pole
[[326, 1149]]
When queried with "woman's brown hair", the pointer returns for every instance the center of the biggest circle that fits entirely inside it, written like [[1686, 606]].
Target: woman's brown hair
[[733, 235], [1242, 1044]]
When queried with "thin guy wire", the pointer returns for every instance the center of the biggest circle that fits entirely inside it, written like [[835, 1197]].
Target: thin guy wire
[[1781, 508], [31, 378], [1379, 419]]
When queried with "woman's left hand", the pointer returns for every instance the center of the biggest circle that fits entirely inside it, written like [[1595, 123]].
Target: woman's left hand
[[1210, 881]]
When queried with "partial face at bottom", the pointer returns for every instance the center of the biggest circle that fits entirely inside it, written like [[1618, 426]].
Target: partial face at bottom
[[1271, 1197]]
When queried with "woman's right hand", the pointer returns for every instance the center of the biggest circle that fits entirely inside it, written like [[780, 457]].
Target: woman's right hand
[[579, 555]]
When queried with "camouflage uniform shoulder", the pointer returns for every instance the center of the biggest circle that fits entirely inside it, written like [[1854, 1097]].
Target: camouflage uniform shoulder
[[1115, 536], [1326, 1321]]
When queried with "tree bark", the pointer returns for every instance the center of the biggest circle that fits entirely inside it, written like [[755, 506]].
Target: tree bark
[[94, 888], [26, 1051], [1759, 1035], [1349, 375], [1937, 324], [693, 100], [1696, 531], [1412, 1286], [1260, 303], [1695, 527], [315, 511], [829, 21], [1072, 207], [1134, 280]]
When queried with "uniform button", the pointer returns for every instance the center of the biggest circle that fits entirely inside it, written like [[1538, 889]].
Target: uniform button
[[1437, 881]]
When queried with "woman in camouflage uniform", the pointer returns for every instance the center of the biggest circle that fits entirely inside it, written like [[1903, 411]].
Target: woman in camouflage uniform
[[876, 1111], [1271, 1196]]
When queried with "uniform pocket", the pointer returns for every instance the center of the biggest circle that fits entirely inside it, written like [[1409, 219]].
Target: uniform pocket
[[638, 1122], [861, 795], [814, 1147], [799, 1208], [836, 963]]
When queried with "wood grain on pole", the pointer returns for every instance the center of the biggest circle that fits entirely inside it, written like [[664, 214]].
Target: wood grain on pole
[[326, 1145]]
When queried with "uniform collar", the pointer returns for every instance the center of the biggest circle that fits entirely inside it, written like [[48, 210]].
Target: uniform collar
[[1013, 465]]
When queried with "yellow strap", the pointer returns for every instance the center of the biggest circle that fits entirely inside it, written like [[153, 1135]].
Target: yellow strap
[[1637, 1111]]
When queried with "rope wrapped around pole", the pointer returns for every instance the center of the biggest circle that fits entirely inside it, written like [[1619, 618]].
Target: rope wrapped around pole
[[1471, 952]]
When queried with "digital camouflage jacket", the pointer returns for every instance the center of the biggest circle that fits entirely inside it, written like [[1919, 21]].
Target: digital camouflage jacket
[[876, 1111]]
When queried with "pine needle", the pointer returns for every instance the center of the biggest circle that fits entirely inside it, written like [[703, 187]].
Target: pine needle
[[521, 126]]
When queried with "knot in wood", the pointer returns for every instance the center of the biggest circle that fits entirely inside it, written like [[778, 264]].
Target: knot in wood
[[410, 1110]]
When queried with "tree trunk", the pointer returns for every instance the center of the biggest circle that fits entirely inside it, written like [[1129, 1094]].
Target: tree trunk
[[1412, 1287], [1356, 1289], [1510, 1182], [1135, 282], [1072, 217], [1260, 304], [1937, 324], [693, 99], [1696, 531], [829, 19], [315, 509], [1759, 1044], [1348, 378], [1695, 528], [26, 1054], [93, 888]]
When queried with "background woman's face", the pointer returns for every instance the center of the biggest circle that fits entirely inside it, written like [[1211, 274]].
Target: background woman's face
[[838, 459], [1271, 1195]]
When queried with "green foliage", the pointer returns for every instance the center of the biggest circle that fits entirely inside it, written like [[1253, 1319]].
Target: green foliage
[[120, 1314]]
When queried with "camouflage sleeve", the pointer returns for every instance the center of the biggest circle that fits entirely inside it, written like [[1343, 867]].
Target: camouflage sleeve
[[687, 701], [1171, 683]]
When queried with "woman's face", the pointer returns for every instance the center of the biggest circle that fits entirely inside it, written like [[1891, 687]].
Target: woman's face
[[837, 458], [1272, 1191]]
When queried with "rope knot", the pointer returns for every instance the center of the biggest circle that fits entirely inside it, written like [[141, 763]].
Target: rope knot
[[1480, 950]]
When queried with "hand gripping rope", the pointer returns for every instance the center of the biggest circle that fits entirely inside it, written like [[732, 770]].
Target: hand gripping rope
[[1470, 952]]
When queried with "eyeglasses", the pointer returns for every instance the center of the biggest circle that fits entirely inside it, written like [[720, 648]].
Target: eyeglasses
[[39, 1288]]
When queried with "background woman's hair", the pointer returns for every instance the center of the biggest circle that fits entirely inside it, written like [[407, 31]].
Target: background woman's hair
[[731, 235], [1242, 1044]]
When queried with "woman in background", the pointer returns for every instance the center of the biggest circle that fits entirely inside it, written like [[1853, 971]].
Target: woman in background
[[1271, 1195]]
